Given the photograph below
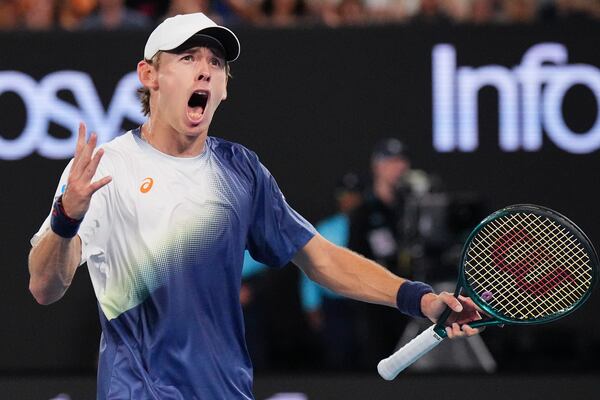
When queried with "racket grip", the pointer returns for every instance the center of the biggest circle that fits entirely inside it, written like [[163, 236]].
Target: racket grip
[[390, 367]]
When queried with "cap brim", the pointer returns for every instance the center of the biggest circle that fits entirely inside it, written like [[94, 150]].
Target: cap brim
[[217, 36], [201, 40], [228, 40]]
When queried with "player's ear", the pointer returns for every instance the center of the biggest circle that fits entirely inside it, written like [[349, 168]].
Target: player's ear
[[147, 74], [227, 76], [224, 97]]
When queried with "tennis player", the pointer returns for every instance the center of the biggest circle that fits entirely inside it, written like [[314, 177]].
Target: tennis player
[[162, 215]]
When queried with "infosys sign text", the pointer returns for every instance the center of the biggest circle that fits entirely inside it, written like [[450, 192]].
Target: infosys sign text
[[530, 101], [43, 106]]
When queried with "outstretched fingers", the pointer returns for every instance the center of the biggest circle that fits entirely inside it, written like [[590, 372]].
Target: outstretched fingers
[[99, 184], [90, 170], [83, 152], [86, 154], [80, 188], [81, 142], [80, 139]]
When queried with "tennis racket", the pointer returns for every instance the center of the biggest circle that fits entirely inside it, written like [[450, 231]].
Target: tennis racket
[[524, 264]]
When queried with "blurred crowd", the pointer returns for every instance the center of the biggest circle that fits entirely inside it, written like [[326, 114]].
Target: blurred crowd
[[143, 14]]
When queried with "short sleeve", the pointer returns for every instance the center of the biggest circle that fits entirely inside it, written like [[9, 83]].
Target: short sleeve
[[277, 232]]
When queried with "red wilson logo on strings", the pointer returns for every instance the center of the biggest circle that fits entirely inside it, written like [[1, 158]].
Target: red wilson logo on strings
[[509, 257]]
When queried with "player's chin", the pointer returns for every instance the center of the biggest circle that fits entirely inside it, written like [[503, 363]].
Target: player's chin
[[193, 128]]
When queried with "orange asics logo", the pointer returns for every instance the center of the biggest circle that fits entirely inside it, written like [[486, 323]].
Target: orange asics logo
[[146, 185]]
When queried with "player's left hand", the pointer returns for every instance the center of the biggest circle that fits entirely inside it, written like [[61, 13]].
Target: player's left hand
[[463, 312]]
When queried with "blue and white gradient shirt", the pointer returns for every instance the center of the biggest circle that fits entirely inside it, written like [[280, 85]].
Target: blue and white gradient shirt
[[164, 244]]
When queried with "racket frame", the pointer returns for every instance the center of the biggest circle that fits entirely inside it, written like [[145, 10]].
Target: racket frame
[[495, 317]]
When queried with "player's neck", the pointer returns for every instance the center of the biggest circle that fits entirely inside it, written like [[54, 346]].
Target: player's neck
[[167, 140]]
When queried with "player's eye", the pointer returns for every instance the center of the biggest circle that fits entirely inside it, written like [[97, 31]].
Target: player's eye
[[217, 62], [187, 57]]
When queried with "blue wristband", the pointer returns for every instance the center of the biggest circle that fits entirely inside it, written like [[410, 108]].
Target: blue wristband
[[61, 224], [408, 299]]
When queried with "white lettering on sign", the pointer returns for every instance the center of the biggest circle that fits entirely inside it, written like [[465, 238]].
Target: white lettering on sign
[[530, 99], [43, 106]]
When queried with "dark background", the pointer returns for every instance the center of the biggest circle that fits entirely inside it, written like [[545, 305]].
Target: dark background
[[311, 103]]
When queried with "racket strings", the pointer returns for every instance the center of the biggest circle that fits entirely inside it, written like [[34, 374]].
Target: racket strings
[[536, 258], [518, 305], [550, 241], [523, 267], [527, 266]]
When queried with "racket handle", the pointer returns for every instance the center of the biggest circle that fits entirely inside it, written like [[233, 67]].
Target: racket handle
[[390, 367]]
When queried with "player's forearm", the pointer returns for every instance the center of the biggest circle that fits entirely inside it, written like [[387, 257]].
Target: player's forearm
[[355, 276], [52, 265], [352, 275]]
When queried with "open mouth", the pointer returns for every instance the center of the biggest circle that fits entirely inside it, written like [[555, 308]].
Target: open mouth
[[197, 104]]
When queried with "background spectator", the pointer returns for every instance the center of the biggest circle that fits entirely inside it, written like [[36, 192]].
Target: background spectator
[[352, 12], [72, 12], [284, 12], [38, 15], [153, 9], [189, 6], [113, 14], [431, 11], [483, 11], [331, 316], [376, 232], [519, 11], [9, 13], [388, 10]]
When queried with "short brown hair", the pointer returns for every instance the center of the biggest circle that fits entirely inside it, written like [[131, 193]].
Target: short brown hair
[[144, 92]]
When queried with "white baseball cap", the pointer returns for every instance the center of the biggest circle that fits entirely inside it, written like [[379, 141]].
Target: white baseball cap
[[190, 30]]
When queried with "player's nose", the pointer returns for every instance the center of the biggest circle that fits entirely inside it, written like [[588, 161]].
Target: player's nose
[[203, 70]]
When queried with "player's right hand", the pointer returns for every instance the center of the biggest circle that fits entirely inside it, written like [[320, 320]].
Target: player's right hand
[[464, 311], [80, 188]]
